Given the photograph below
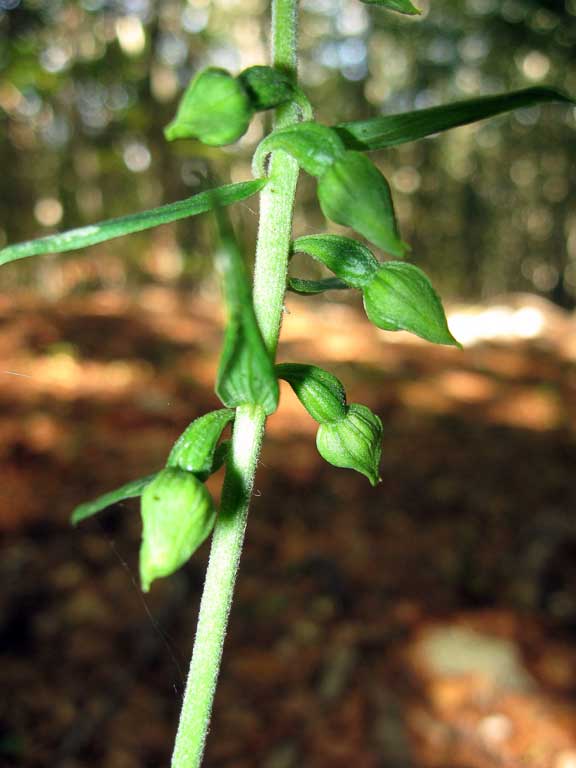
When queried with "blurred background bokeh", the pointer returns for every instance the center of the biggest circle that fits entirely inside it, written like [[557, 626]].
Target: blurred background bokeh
[[88, 86], [430, 623]]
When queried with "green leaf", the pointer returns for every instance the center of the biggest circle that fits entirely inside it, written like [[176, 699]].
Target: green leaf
[[320, 392], [389, 130], [215, 109], [354, 442], [177, 516], [195, 448], [400, 6], [401, 298], [314, 146], [246, 372], [311, 287], [136, 222], [354, 193], [351, 261], [128, 491]]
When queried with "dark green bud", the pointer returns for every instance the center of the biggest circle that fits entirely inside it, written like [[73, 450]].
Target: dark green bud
[[266, 87], [348, 259], [194, 451], [401, 298], [177, 515], [320, 392], [354, 442], [355, 194], [315, 147], [215, 108]]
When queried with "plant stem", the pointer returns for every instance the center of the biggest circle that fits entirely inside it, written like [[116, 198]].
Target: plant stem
[[277, 197], [274, 236], [218, 588]]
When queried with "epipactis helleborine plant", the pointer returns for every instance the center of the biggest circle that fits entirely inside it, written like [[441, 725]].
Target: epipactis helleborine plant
[[178, 513]]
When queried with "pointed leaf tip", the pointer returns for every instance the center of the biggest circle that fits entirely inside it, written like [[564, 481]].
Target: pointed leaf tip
[[178, 514], [400, 6], [391, 130], [135, 222], [401, 298]]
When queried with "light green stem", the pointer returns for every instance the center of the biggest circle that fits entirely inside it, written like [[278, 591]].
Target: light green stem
[[277, 197], [274, 236], [218, 589]]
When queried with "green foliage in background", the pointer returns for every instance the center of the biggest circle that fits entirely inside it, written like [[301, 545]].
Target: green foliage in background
[[88, 84]]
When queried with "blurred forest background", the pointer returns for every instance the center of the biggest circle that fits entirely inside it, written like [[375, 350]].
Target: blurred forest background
[[427, 623], [87, 86]]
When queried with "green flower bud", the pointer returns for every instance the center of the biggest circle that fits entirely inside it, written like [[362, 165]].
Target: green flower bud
[[177, 515], [354, 442], [320, 392], [266, 87], [194, 451], [355, 194], [215, 108], [401, 298]]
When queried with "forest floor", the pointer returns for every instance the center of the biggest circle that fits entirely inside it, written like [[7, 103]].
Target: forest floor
[[427, 623]]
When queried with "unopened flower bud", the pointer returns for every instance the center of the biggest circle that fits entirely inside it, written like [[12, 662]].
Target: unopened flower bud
[[354, 442], [266, 87], [215, 108], [177, 515], [195, 449], [354, 193]]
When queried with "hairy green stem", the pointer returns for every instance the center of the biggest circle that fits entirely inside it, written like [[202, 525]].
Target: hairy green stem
[[218, 588], [277, 198], [274, 236]]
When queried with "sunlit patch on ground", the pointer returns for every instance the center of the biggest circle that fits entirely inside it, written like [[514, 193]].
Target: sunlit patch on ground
[[477, 702], [342, 587]]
